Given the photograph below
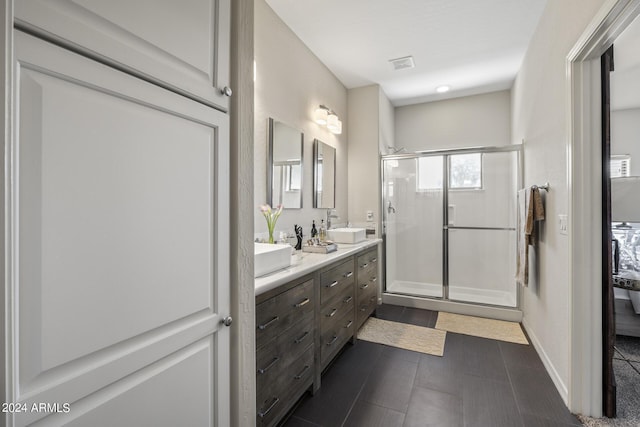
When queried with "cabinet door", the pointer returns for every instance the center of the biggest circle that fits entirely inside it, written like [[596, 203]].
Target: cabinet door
[[118, 247], [183, 45]]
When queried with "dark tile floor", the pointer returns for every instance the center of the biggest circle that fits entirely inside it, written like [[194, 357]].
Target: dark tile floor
[[478, 382]]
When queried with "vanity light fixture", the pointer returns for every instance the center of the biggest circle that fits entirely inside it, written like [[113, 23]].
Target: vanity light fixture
[[326, 117]]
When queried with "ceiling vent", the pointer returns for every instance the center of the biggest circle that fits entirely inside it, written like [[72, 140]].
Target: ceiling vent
[[402, 63]]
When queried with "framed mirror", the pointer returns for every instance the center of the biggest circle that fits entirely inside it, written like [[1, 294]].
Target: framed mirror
[[324, 175], [284, 169]]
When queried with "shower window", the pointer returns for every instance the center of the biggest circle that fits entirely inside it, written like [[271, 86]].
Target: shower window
[[465, 171]]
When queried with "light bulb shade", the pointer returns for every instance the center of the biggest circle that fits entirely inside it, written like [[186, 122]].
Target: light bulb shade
[[337, 129], [320, 116], [332, 122]]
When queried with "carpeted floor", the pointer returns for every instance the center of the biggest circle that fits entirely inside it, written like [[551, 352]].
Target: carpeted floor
[[626, 366]]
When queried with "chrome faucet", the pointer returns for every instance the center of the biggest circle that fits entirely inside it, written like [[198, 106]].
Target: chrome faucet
[[331, 213]]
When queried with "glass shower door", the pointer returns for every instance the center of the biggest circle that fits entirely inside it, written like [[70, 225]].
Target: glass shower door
[[413, 218], [481, 228]]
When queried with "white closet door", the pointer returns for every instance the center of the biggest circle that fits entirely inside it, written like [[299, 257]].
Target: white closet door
[[183, 44], [118, 248]]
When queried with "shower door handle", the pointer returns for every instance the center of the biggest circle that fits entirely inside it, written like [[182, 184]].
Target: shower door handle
[[390, 209]]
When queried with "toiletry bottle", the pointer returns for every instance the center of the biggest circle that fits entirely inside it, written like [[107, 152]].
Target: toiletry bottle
[[314, 232], [323, 233]]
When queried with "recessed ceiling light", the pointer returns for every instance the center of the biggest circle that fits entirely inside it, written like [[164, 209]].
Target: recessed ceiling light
[[443, 89], [402, 63]]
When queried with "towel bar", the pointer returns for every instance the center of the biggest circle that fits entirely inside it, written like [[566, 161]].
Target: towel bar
[[544, 187]]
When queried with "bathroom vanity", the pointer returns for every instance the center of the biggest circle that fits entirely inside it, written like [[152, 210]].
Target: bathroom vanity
[[305, 314]]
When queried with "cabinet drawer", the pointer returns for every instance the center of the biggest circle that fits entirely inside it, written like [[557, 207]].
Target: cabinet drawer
[[368, 261], [336, 308], [334, 281], [333, 339], [368, 283], [283, 393], [273, 360], [277, 314]]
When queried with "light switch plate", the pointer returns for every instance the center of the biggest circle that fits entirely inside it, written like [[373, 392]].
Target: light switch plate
[[369, 216], [563, 223]]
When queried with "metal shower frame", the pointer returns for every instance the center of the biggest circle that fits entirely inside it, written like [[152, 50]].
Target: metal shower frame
[[446, 153]]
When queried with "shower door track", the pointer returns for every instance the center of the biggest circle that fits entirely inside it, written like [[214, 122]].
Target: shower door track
[[446, 153]]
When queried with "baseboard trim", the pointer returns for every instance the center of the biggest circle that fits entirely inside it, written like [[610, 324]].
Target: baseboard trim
[[546, 361]]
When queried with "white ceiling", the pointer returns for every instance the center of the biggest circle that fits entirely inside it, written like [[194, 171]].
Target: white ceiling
[[474, 46]]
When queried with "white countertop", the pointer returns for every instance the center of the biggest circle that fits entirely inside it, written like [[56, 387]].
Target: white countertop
[[306, 262]]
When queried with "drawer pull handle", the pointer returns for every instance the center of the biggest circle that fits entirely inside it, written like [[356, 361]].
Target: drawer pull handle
[[365, 265], [273, 362], [373, 298], [349, 274], [374, 279], [374, 260], [365, 286], [331, 285], [349, 324], [266, 325], [299, 340], [301, 303], [364, 308], [333, 340], [305, 369], [333, 312], [264, 413], [348, 299]]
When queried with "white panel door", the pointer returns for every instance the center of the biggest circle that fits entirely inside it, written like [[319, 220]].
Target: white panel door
[[118, 248], [182, 44]]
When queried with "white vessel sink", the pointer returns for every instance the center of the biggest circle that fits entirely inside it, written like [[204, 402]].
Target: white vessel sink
[[270, 257], [347, 235]]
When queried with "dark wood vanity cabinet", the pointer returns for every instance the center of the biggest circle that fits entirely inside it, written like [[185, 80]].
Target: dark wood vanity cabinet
[[285, 325], [302, 325], [337, 315], [366, 285]]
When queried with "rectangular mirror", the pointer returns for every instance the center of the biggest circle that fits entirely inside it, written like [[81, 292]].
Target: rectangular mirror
[[324, 175], [284, 171]]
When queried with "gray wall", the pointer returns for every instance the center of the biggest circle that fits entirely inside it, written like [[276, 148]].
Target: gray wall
[[540, 117], [290, 84], [472, 121]]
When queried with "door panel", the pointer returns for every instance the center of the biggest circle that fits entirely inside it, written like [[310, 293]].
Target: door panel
[[184, 44], [413, 225], [493, 203], [186, 378], [121, 245], [482, 266]]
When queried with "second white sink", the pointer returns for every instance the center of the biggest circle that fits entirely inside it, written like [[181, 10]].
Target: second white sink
[[347, 235]]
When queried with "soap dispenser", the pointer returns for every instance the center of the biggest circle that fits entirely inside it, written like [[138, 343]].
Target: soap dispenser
[[323, 233], [314, 231]]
